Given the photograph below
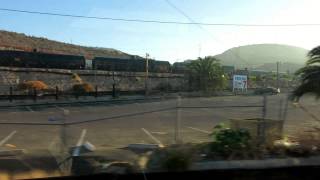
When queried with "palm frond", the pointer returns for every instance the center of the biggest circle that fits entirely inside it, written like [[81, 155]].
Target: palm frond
[[310, 76], [307, 70], [310, 81], [312, 87], [315, 52], [313, 60]]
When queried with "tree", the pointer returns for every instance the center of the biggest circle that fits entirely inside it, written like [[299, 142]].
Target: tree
[[207, 74], [309, 76]]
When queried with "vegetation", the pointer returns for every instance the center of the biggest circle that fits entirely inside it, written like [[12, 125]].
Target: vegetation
[[172, 158], [76, 78], [227, 141], [80, 86], [30, 85], [83, 88], [207, 74], [230, 144], [176, 160], [309, 75]]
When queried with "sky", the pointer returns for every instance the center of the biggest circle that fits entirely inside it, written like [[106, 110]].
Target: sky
[[169, 42]]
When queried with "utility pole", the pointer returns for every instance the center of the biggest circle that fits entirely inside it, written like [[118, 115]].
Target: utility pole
[[278, 88], [147, 74], [95, 74]]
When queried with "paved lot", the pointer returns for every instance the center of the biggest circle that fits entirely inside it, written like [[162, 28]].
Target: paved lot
[[115, 126], [110, 127]]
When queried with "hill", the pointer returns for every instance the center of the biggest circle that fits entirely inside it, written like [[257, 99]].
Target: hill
[[264, 57], [19, 41]]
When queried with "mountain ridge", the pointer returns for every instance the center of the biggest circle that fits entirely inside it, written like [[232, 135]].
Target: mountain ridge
[[264, 57]]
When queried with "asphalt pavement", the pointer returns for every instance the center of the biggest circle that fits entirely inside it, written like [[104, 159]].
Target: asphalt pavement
[[117, 125]]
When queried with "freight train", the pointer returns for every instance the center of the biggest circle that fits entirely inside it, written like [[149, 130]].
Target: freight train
[[40, 60], [57, 61]]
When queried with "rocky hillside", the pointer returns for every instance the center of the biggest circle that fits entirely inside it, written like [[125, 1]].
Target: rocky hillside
[[19, 41]]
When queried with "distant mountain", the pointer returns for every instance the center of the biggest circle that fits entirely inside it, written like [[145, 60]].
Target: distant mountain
[[264, 57], [19, 41]]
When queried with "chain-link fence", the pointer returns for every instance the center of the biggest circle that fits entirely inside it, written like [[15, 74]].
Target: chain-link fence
[[120, 131]]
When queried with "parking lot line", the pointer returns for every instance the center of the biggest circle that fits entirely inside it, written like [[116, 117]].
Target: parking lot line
[[60, 108], [159, 133], [152, 137], [200, 130], [76, 151], [29, 109], [4, 140], [195, 140]]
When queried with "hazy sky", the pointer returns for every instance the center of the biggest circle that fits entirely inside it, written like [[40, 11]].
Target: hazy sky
[[163, 41]]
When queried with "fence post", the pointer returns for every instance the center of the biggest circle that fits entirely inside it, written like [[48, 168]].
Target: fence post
[[113, 90], [96, 92], [261, 123], [178, 119], [57, 91], [34, 94], [10, 94]]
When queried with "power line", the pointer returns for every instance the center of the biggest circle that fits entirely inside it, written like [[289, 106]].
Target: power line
[[183, 13], [200, 27], [157, 21]]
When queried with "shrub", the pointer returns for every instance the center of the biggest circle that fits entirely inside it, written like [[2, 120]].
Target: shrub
[[83, 88], [175, 160], [30, 85], [77, 78], [80, 86], [226, 140]]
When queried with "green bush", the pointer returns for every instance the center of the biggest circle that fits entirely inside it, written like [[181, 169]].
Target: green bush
[[175, 160], [226, 140]]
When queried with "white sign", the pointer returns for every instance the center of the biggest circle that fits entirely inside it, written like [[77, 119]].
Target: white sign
[[240, 82]]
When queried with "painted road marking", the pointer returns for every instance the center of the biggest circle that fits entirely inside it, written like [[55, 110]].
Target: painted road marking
[[76, 151], [160, 133], [200, 130], [64, 110], [29, 109], [194, 140], [4, 140], [152, 137], [61, 108]]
